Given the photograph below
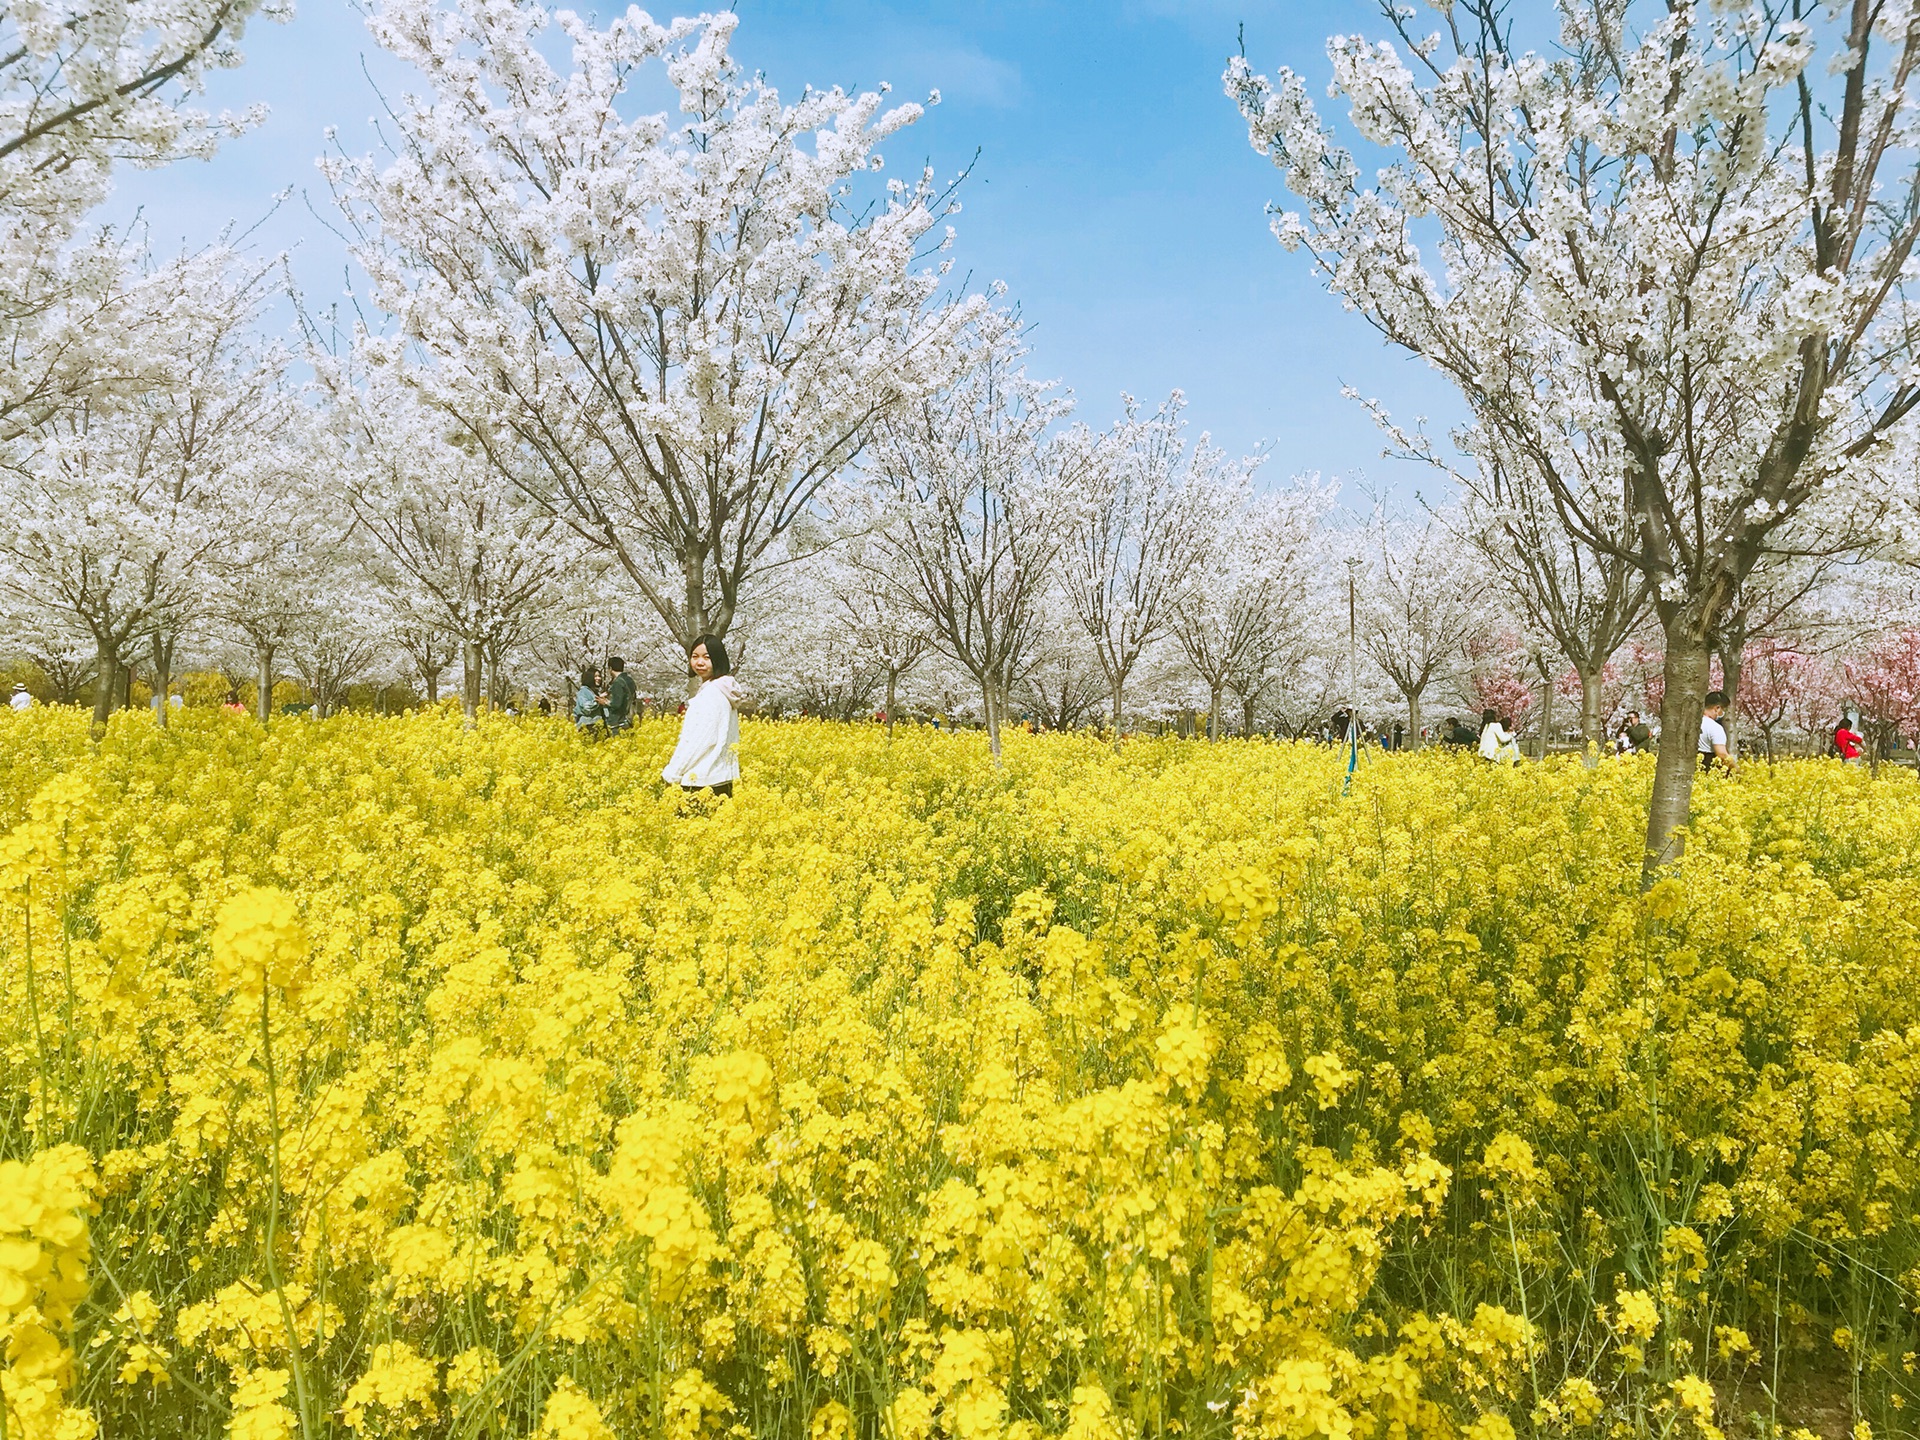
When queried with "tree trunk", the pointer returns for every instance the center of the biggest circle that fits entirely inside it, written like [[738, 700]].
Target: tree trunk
[[104, 687], [1590, 718], [1246, 716], [498, 686], [893, 684], [1546, 708], [1685, 671], [1733, 649], [163, 677], [989, 694], [1119, 690], [1414, 718], [470, 690], [432, 679], [263, 692], [1213, 715]]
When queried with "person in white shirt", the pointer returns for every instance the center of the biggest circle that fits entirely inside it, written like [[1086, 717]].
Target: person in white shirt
[[1713, 735], [708, 754], [21, 699], [1497, 742]]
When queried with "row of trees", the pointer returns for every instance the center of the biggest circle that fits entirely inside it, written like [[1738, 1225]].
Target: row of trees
[[625, 376], [990, 558], [1670, 284]]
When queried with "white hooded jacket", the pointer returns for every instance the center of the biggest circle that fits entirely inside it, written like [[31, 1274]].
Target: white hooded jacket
[[709, 748]]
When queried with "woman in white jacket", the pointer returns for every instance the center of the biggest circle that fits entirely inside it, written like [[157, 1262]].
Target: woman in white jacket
[[1497, 742], [708, 755]]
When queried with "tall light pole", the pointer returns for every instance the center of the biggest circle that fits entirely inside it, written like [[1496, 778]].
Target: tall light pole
[[1353, 664]]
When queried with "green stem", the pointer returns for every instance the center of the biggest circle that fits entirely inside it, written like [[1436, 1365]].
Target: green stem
[[300, 1393], [33, 1009], [1526, 1312]]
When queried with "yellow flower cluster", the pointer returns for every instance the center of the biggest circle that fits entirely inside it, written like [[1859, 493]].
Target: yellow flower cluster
[[43, 1277], [258, 943], [381, 1077]]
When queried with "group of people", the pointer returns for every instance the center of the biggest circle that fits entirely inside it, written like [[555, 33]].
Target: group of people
[[1634, 737], [1499, 744], [707, 758]]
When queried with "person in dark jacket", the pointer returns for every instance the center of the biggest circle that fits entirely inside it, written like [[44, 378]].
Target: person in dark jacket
[[1637, 734], [621, 692]]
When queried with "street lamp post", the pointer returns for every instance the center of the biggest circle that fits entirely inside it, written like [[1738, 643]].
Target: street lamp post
[[1353, 664]]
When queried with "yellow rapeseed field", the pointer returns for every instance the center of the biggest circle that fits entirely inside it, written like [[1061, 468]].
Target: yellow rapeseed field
[[379, 1078]]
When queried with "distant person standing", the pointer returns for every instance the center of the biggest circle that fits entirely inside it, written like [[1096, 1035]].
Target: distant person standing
[[707, 756], [1635, 737], [621, 693], [1497, 742], [1713, 735], [589, 713], [20, 699], [1849, 743]]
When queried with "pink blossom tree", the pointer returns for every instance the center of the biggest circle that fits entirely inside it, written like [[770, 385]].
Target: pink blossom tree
[[1780, 684], [1885, 680], [1496, 676], [1815, 695]]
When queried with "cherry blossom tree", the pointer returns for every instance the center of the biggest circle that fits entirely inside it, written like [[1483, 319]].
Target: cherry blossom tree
[[1150, 511], [1779, 602], [1061, 684], [289, 537], [590, 616], [1495, 674], [872, 609], [265, 592], [49, 640], [119, 514], [1773, 676], [83, 87], [1814, 701], [456, 547], [1245, 597], [1884, 679], [1670, 267], [1301, 686], [670, 334], [977, 491], [1585, 599], [426, 649], [807, 659], [1421, 598], [336, 645], [1608, 690]]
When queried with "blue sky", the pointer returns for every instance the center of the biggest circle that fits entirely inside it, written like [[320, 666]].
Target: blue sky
[[1115, 192]]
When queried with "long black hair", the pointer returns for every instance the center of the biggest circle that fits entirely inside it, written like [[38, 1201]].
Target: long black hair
[[716, 652]]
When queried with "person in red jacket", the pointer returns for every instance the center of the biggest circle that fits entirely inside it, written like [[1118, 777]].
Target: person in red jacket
[[1848, 741]]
